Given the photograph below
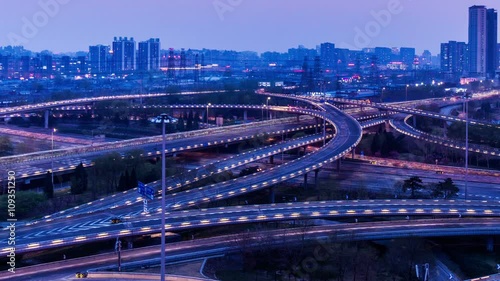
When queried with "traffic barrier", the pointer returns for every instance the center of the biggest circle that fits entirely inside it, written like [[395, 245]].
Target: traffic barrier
[[142, 276]]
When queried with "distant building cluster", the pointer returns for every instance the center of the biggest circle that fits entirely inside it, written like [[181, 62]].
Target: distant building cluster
[[324, 67]]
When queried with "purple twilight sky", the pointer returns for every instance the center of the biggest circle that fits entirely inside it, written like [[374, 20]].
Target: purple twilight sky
[[256, 25]]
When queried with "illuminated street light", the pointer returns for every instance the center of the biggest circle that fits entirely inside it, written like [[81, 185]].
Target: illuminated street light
[[466, 109], [208, 104], [267, 107], [407, 92]]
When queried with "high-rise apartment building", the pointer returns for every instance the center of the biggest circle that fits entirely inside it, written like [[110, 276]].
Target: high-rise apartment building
[[453, 57], [123, 54], [148, 56], [407, 56], [327, 56], [98, 59]]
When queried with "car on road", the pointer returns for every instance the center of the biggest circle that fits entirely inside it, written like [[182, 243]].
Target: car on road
[[115, 220]]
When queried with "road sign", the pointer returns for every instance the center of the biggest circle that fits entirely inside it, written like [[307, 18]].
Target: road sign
[[146, 191]]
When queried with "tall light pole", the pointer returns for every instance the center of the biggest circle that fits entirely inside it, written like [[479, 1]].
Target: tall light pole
[[406, 99], [52, 158], [164, 116], [324, 127], [466, 109], [267, 107], [382, 95], [208, 104]]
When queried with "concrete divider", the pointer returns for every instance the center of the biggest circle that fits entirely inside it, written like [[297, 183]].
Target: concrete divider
[[141, 276], [494, 277]]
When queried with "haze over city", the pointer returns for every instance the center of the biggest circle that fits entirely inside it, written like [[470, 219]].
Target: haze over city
[[257, 25]]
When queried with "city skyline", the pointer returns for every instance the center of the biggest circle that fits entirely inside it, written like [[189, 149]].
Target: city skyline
[[236, 25]]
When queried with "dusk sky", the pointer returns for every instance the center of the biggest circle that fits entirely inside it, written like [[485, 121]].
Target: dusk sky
[[255, 25]]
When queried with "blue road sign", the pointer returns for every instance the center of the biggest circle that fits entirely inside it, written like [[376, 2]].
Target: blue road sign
[[146, 191]]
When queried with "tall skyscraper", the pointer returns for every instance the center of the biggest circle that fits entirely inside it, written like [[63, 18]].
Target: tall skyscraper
[[491, 42], [482, 41], [148, 57], [123, 54], [327, 53], [97, 59]]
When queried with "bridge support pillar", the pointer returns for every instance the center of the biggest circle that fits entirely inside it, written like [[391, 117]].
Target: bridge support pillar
[[353, 151], [46, 117], [93, 108], [130, 243], [387, 126], [298, 117], [271, 159], [271, 195], [338, 165], [490, 244], [317, 123], [245, 117], [305, 181], [414, 121], [445, 128], [316, 172]]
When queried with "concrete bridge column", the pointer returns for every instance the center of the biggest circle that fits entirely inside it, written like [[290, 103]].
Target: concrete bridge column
[[46, 116], [305, 181], [445, 128], [271, 195], [245, 115], [352, 152], [414, 121], [130, 243], [316, 172], [490, 244], [387, 126], [298, 117], [338, 165], [93, 108], [271, 159], [317, 123]]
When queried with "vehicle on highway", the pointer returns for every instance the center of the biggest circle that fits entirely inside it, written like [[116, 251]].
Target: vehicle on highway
[[250, 170], [115, 220]]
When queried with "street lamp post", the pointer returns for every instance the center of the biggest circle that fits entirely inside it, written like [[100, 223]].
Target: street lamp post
[[208, 104], [406, 99], [324, 128], [52, 158], [267, 107], [164, 116], [466, 109]]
